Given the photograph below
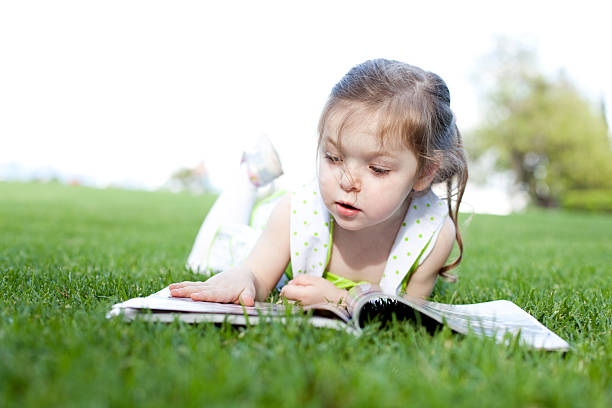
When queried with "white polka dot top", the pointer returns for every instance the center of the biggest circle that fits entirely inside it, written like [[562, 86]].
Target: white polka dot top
[[311, 237]]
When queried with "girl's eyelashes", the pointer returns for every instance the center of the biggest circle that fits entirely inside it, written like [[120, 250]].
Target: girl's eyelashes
[[332, 158], [379, 171]]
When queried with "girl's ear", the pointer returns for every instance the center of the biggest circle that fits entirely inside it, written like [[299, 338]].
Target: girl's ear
[[427, 175]]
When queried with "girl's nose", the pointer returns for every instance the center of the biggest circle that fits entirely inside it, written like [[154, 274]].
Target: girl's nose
[[349, 181]]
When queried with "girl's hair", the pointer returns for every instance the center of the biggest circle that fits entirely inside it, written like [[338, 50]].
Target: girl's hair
[[412, 106]]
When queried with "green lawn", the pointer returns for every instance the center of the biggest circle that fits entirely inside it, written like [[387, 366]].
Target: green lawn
[[68, 253]]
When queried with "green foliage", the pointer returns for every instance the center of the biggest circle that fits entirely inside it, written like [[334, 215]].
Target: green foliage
[[588, 200], [68, 253], [194, 180], [542, 128]]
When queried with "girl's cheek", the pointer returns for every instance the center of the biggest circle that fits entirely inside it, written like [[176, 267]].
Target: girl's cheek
[[326, 187], [326, 178], [325, 191]]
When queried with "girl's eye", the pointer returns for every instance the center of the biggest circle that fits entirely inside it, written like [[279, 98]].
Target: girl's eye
[[332, 158], [378, 170]]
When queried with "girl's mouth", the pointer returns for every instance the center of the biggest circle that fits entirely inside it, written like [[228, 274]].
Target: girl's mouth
[[346, 210]]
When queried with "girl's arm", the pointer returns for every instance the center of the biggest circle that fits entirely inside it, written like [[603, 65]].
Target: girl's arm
[[424, 278], [271, 254], [257, 275]]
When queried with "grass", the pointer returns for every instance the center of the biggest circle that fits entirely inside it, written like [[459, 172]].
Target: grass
[[68, 253]]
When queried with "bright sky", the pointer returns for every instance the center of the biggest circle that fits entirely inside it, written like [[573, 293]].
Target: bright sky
[[129, 91]]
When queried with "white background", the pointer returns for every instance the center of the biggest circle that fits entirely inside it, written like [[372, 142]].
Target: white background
[[126, 92]]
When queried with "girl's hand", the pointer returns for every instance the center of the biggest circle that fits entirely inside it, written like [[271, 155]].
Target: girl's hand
[[236, 285], [309, 290]]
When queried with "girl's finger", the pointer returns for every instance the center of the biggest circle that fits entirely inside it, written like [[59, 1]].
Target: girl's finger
[[294, 292], [186, 291], [304, 279], [213, 295], [247, 297], [182, 284]]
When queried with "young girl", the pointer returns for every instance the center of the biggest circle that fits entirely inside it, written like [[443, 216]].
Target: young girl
[[386, 134]]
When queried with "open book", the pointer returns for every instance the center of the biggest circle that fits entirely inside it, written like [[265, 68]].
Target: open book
[[366, 303]]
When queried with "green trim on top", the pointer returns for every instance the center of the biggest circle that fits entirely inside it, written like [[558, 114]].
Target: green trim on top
[[231, 252], [414, 266], [345, 283], [329, 245], [289, 271], [212, 241], [341, 282], [264, 201]]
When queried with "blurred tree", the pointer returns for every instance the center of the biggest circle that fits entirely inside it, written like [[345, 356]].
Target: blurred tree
[[194, 180], [542, 128]]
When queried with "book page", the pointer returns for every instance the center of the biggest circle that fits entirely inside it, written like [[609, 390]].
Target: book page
[[491, 319], [495, 319], [163, 301]]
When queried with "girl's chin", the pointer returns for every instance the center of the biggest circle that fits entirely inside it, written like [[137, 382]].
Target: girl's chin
[[350, 224]]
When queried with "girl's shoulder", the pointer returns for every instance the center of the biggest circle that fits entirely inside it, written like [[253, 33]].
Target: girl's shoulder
[[306, 190], [415, 239], [306, 203], [426, 207]]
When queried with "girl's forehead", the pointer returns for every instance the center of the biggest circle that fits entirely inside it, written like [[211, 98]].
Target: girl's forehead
[[364, 143], [345, 124], [354, 116]]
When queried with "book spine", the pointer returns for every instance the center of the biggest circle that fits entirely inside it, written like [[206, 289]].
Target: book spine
[[358, 292]]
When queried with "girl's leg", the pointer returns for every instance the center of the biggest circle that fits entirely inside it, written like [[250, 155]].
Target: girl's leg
[[259, 167], [233, 206]]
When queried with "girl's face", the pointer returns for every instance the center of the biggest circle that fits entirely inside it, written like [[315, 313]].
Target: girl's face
[[365, 184]]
